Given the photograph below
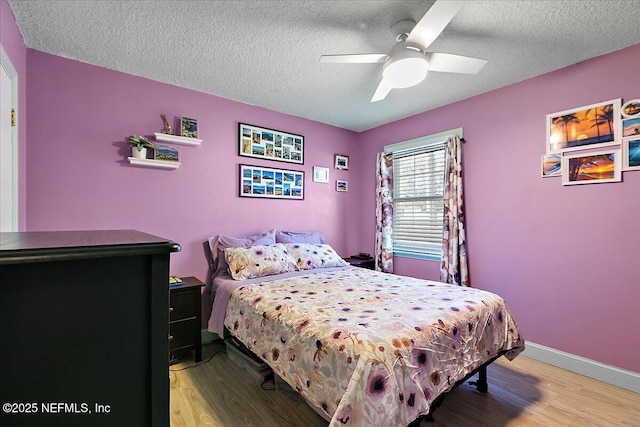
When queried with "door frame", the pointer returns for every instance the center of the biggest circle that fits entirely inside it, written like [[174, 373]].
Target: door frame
[[5, 62]]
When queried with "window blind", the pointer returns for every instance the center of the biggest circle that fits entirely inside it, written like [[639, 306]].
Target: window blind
[[418, 199]]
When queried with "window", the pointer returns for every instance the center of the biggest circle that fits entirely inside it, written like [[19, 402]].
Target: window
[[418, 195]]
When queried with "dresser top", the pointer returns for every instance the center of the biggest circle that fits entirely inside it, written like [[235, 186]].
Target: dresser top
[[33, 246]]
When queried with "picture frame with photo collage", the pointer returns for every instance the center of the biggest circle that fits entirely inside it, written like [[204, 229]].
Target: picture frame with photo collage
[[271, 183], [270, 144]]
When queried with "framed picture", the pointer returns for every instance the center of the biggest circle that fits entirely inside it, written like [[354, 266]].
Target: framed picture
[[342, 185], [341, 162], [631, 154], [551, 165], [270, 144], [164, 152], [320, 174], [631, 127], [258, 181], [631, 108], [592, 126], [591, 168], [188, 127]]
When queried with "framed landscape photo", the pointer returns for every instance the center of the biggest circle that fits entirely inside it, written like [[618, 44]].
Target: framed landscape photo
[[342, 186], [631, 154], [631, 127], [592, 168], [258, 181], [591, 126], [341, 162], [551, 165], [270, 144], [164, 152]]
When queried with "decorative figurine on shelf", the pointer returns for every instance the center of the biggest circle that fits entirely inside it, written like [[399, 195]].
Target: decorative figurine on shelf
[[139, 146], [167, 127]]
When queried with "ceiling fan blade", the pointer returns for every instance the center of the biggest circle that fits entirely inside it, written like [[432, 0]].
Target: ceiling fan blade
[[433, 22], [367, 58], [449, 63], [381, 92]]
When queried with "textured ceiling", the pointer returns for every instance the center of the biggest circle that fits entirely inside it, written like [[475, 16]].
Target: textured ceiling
[[266, 52]]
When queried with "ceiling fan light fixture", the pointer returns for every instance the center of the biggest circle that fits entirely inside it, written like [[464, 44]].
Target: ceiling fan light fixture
[[405, 72]]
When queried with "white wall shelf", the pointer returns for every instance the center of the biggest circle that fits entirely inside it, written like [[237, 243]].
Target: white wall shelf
[[175, 139], [150, 163]]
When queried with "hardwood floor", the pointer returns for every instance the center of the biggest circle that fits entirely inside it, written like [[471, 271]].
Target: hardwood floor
[[524, 392]]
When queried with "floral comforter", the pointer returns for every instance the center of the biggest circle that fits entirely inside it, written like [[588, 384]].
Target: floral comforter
[[366, 348]]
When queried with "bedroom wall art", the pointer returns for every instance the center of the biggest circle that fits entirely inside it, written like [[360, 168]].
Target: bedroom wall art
[[188, 127], [342, 186], [257, 181], [631, 108], [631, 154], [551, 165], [591, 168], [591, 126], [270, 144], [631, 127], [341, 162], [320, 174]]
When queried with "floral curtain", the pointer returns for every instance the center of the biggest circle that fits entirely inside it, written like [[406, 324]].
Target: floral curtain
[[453, 268], [384, 213]]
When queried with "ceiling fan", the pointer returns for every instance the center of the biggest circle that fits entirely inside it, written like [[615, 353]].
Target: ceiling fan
[[408, 62]]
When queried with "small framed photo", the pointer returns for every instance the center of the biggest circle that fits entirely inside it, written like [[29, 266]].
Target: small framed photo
[[342, 186], [166, 153], [591, 126], [320, 174], [592, 168], [631, 108], [631, 154], [551, 165], [341, 162], [631, 127], [188, 127]]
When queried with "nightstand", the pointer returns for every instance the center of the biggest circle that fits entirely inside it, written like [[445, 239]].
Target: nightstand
[[362, 262], [185, 317]]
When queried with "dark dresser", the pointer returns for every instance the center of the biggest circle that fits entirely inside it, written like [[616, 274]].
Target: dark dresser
[[84, 320]]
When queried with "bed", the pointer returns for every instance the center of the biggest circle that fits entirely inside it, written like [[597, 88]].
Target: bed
[[362, 347]]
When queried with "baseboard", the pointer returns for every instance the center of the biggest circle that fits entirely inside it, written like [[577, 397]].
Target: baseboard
[[580, 365]]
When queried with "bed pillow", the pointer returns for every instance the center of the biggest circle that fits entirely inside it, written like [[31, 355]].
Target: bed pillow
[[258, 261], [299, 237], [308, 256], [219, 243]]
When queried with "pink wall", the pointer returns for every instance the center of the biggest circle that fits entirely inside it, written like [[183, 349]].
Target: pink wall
[[79, 178], [564, 258], [12, 43]]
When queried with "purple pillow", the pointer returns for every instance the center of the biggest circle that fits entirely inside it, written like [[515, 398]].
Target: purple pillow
[[313, 237], [219, 243]]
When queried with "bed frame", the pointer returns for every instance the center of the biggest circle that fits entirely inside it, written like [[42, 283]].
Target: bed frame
[[481, 385]]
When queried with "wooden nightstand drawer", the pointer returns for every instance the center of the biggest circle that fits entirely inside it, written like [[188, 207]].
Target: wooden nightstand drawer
[[183, 304], [184, 334]]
